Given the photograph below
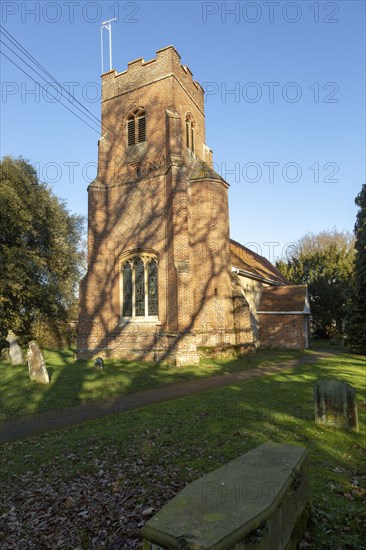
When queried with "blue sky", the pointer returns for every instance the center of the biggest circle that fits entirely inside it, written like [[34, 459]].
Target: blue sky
[[289, 138]]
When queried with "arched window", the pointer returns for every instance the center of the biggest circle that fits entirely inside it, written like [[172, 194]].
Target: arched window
[[190, 132], [140, 287], [136, 127]]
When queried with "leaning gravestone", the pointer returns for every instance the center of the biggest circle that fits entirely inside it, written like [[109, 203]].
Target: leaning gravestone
[[15, 353], [335, 405], [99, 363], [36, 364]]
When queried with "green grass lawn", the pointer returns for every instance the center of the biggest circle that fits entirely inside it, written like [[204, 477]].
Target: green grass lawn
[[74, 382], [328, 344], [115, 467]]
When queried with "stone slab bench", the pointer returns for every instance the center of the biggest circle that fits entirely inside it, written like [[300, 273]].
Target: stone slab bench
[[258, 501]]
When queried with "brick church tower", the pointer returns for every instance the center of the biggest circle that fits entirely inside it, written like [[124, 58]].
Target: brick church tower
[[158, 283]]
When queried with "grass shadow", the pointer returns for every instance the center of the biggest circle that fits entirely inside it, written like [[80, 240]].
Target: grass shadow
[[77, 381], [195, 435]]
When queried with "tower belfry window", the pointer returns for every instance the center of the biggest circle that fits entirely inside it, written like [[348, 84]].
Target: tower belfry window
[[141, 136], [131, 130], [136, 127], [190, 132]]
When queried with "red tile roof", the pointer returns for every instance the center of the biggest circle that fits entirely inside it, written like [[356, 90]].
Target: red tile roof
[[284, 299], [247, 260]]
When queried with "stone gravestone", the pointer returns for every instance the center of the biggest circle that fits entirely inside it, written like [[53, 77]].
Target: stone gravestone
[[36, 364], [99, 363], [15, 353], [5, 354], [335, 405]]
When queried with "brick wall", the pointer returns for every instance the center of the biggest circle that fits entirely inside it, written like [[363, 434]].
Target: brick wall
[[150, 198], [282, 331], [156, 209]]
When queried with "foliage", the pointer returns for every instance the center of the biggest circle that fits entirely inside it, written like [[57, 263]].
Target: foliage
[[40, 259], [356, 327], [101, 478], [325, 262]]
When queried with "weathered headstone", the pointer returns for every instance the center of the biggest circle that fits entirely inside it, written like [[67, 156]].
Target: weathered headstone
[[99, 363], [36, 364], [335, 405], [5, 354], [15, 353]]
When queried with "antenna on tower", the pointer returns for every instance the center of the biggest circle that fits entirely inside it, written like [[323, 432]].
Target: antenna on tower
[[107, 25]]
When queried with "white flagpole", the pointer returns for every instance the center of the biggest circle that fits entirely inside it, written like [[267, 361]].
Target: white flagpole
[[110, 46], [107, 25], [101, 47]]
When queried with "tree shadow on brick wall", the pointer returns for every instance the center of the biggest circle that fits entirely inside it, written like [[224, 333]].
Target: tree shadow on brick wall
[[107, 232], [115, 227]]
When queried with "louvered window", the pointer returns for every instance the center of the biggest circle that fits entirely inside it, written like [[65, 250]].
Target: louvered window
[[140, 287], [136, 127], [131, 130], [141, 128]]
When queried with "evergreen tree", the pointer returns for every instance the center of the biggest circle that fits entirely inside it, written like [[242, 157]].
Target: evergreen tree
[[40, 259], [356, 327], [325, 263]]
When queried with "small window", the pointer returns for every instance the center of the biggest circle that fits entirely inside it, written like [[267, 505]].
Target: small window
[[136, 127], [190, 132], [188, 127]]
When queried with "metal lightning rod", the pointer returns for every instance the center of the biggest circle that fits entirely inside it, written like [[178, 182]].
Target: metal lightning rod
[[107, 25]]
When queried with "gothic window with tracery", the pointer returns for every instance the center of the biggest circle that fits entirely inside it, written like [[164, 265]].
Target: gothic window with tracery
[[140, 287]]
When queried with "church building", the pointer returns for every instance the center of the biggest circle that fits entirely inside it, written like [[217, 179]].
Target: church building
[[164, 279]]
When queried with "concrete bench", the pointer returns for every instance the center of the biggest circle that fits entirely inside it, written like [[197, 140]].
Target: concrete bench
[[258, 501]]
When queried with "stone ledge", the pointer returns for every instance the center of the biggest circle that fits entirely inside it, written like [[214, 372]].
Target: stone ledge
[[258, 501]]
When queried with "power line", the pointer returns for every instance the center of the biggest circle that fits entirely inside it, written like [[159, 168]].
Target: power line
[[24, 51], [18, 45], [36, 81], [54, 97]]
